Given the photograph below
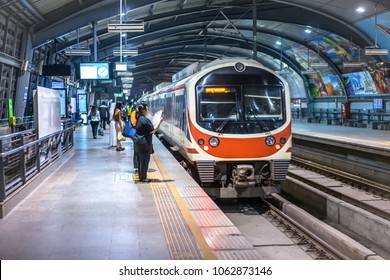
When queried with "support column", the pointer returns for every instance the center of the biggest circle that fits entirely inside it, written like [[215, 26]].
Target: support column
[[24, 78], [254, 14]]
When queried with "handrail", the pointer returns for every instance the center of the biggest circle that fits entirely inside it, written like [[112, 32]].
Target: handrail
[[20, 164], [15, 134], [3, 154]]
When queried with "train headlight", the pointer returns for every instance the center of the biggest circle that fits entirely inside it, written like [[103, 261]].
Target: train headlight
[[282, 140], [239, 67], [214, 142], [270, 140], [200, 141]]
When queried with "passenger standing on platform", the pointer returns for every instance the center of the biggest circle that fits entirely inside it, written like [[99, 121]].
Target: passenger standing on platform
[[133, 115], [133, 119], [94, 116], [146, 129], [113, 134], [104, 115], [130, 110], [119, 124], [69, 110], [125, 112]]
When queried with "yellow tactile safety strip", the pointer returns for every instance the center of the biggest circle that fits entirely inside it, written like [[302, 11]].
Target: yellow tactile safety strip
[[158, 191]]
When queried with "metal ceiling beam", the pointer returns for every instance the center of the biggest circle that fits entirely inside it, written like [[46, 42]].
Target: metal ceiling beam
[[73, 16], [32, 10]]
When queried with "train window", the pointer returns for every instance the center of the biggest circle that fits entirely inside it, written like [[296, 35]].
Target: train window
[[263, 102], [217, 103]]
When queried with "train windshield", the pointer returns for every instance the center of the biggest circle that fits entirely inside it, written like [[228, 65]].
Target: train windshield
[[262, 102], [240, 103]]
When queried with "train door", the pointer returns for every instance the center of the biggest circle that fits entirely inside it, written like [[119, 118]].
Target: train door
[[180, 111], [172, 116]]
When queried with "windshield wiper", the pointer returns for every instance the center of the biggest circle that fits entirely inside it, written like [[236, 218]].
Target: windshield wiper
[[221, 127], [262, 124]]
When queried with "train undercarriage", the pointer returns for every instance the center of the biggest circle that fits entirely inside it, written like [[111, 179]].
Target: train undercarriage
[[241, 179]]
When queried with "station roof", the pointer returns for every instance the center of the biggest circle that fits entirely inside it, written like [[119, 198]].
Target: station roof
[[180, 32]]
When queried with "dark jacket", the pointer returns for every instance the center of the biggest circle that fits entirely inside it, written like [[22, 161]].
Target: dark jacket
[[103, 110]]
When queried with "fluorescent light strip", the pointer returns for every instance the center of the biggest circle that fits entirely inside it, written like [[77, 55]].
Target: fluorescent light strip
[[319, 64], [125, 26], [132, 52], [77, 51], [375, 51], [124, 74], [354, 64]]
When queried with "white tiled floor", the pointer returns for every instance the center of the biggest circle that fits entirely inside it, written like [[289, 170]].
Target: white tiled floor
[[89, 208]]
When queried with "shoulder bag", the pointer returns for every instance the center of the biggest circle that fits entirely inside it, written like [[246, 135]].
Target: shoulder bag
[[140, 140], [120, 136], [129, 130]]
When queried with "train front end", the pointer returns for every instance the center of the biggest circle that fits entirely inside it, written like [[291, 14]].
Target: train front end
[[240, 124]]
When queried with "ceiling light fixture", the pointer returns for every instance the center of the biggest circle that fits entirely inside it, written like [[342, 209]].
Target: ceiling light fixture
[[125, 52], [375, 51], [319, 64], [360, 10], [124, 74], [126, 26], [352, 64], [77, 51], [127, 80]]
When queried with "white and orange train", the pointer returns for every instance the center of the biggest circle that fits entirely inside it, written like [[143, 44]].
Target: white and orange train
[[231, 121]]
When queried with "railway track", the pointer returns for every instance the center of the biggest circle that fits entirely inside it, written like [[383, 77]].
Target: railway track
[[308, 242], [366, 194], [362, 215], [305, 236]]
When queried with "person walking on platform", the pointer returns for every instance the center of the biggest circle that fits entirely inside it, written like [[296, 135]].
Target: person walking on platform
[[94, 117], [119, 125], [113, 134], [144, 147], [104, 114]]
